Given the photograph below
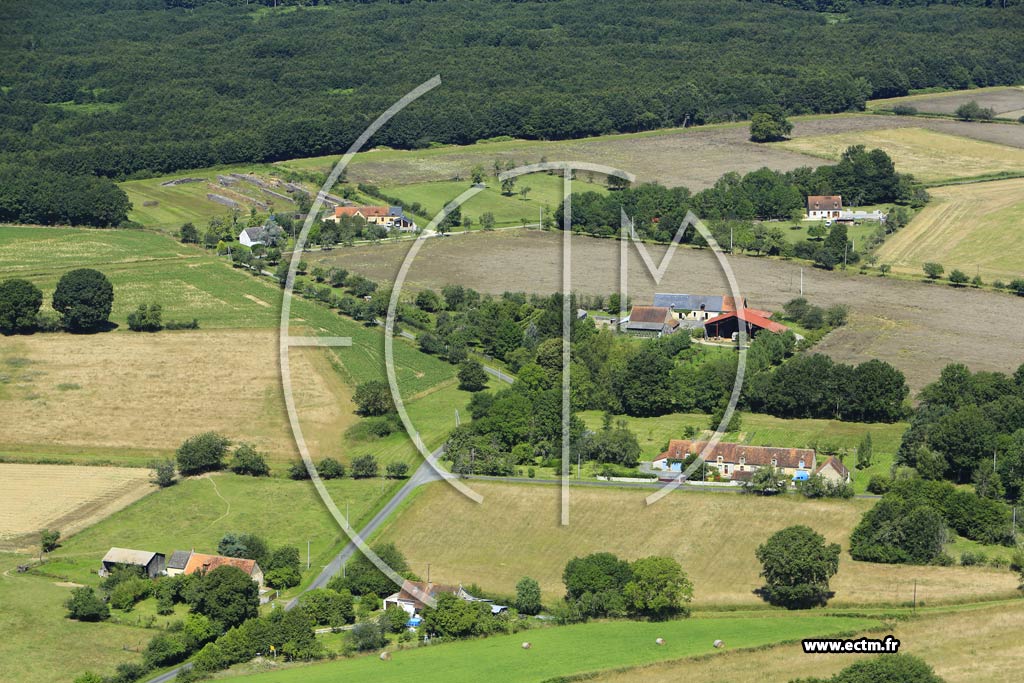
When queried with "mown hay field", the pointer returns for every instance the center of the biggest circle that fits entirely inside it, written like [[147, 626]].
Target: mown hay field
[[978, 228], [931, 156], [515, 532], [62, 497], [128, 397]]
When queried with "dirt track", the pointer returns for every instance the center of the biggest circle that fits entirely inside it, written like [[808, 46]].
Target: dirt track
[[918, 327]]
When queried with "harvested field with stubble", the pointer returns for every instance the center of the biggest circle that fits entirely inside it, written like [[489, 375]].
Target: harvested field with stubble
[[1000, 100], [978, 228], [140, 395], [712, 535], [64, 497], [692, 157], [909, 324]]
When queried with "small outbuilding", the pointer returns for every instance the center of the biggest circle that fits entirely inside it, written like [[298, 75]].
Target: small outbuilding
[[834, 470], [727, 325], [151, 563], [651, 321], [177, 562]]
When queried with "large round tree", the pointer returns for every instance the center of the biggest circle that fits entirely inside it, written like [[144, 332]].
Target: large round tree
[[797, 564], [84, 298], [19, 302]]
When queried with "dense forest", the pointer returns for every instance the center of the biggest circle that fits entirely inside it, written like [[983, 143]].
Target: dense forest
[[131, 88]]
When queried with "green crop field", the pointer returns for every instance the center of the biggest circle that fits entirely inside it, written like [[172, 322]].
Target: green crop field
[[197, 512], [964, 645], [516, 532], [39, 645], [569, 650]]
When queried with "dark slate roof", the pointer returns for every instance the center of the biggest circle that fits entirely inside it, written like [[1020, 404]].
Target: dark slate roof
[[689, 302], [178, 559]]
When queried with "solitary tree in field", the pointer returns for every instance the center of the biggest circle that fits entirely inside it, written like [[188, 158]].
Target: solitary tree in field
[[374, 398], [797, 564], [189, 234], [49, 539], [884, 269], [487, 221], [933, 270], [20, 301], [865, 452], [770, 125], [477, 174], [84, 298], [508, 186]]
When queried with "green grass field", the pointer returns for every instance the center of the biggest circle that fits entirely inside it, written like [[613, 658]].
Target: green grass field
[[188, 282], [197, 512], [545, 193], [39, 645], [569, 650], [167, 207]]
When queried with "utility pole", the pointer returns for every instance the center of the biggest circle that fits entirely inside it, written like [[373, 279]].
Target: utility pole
[[730, 238], [915, 596], [307, 553], [428, 573]]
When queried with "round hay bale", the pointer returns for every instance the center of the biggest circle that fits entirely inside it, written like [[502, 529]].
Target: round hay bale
[[385, 656], [527, 646], [719, 643], [659, 641]]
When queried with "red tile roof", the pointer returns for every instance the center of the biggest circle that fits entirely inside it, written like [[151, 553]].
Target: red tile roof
[[364, 211], [731, 453], [207, 563], [752, 316]]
